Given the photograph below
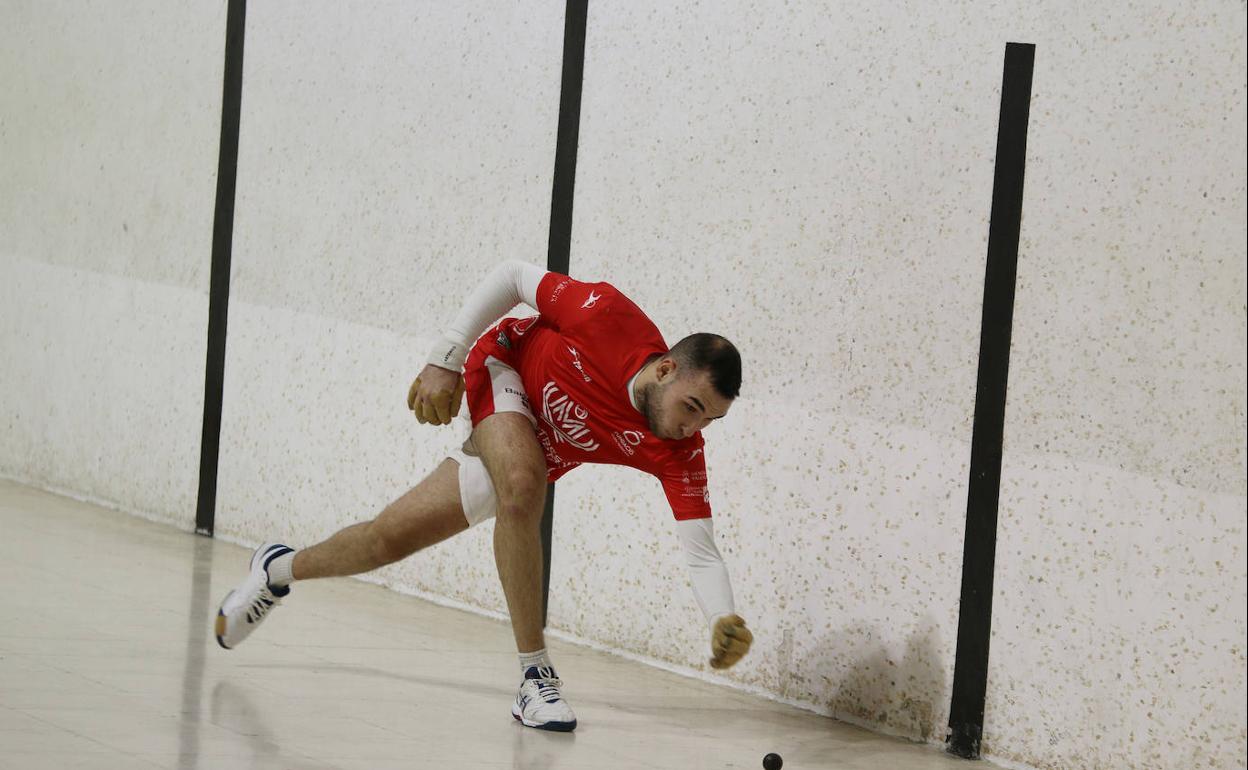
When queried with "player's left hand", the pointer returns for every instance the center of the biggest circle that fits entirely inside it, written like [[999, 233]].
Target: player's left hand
[[730, 641]]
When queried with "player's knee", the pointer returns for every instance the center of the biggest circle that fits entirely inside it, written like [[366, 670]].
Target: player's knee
[[522, 496], [519, 513], [527, 484]]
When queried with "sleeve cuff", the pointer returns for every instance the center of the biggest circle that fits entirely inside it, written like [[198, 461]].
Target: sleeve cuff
[[448, 355]]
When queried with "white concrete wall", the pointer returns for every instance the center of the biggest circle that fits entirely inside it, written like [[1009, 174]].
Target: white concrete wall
[[818, 178], [388, 161], [108, 156], [812, 181]]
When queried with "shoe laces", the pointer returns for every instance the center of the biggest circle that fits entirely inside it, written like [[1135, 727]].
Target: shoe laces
[[548, 688], [260, 606]]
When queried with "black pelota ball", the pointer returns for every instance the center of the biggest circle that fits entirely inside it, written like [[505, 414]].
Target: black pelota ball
[[772, 762]]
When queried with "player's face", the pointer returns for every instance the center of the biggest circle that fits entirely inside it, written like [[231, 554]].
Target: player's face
[[682, 403]]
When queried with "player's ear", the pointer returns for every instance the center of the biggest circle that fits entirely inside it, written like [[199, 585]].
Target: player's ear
[[666, 368]]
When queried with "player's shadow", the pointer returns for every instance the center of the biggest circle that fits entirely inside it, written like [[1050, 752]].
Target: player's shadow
[[432, 682], [455, 688], [901, 693], [231, 708], [531, 749]]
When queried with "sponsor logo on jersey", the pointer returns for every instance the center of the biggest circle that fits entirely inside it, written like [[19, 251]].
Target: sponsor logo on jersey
[[702, 491], [554, 295], [567, 419], [576, 361], [627, 440], [503, 340], [553, 460], [593, 300], [692, 455]]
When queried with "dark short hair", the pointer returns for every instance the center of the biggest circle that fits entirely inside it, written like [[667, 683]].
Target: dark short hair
[[714, 355]]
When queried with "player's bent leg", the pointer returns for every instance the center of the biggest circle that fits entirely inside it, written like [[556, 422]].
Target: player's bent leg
[[509, 449], [512, 456], [429, 513]]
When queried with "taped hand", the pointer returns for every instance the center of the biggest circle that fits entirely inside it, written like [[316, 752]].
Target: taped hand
[[730, 641], [436, 395]]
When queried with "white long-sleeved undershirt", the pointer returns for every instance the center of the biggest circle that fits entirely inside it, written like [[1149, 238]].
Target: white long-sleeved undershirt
[[513, 283], [707, 572], [510, 284]]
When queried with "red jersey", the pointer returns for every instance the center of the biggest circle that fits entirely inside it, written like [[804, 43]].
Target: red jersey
[[576, 359]]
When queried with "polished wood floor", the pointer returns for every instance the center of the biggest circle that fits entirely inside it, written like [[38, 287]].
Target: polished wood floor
[[107, 662]]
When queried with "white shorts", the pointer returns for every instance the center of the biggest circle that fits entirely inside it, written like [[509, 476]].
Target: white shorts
[[476, 491]]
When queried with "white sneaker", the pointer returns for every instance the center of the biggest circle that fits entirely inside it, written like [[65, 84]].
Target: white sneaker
[[539, 703], [243, 608]]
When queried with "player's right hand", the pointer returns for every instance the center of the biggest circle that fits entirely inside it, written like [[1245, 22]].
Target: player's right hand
[[730, 641], [436, 395]]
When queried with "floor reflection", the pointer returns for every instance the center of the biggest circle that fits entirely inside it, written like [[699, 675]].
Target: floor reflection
[[539, 749], [198, 635]]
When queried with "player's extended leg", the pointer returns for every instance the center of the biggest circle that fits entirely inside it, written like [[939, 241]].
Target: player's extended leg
[[429, 513], [517, 469]]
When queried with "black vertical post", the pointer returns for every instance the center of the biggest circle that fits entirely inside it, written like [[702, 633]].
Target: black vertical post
[[970, 677], [560, 245], [219, 283]]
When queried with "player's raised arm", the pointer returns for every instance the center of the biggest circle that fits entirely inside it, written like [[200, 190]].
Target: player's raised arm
[[730, 639], [437, 393]]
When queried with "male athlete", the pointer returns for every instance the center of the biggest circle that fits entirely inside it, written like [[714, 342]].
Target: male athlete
[[587, 380]]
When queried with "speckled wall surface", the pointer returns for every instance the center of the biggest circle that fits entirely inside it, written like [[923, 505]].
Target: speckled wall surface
[[812, 180], [108, 137], [388, 161], [817, 178]]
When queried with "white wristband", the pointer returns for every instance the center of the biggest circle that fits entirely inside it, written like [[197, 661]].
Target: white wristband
[[448, 355]]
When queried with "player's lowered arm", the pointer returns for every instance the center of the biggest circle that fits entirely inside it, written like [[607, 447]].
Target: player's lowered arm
[[730, 639], [506, 286], [707, 572]]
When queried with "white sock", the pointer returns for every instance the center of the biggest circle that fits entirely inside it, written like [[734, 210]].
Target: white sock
[[280, 570], [538, 658]]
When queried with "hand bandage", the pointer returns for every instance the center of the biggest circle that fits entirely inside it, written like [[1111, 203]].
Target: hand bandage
[[438, 408], [730, 641]]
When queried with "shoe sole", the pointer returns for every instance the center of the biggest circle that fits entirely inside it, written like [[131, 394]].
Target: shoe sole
[[559, 727], [219, 626]]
